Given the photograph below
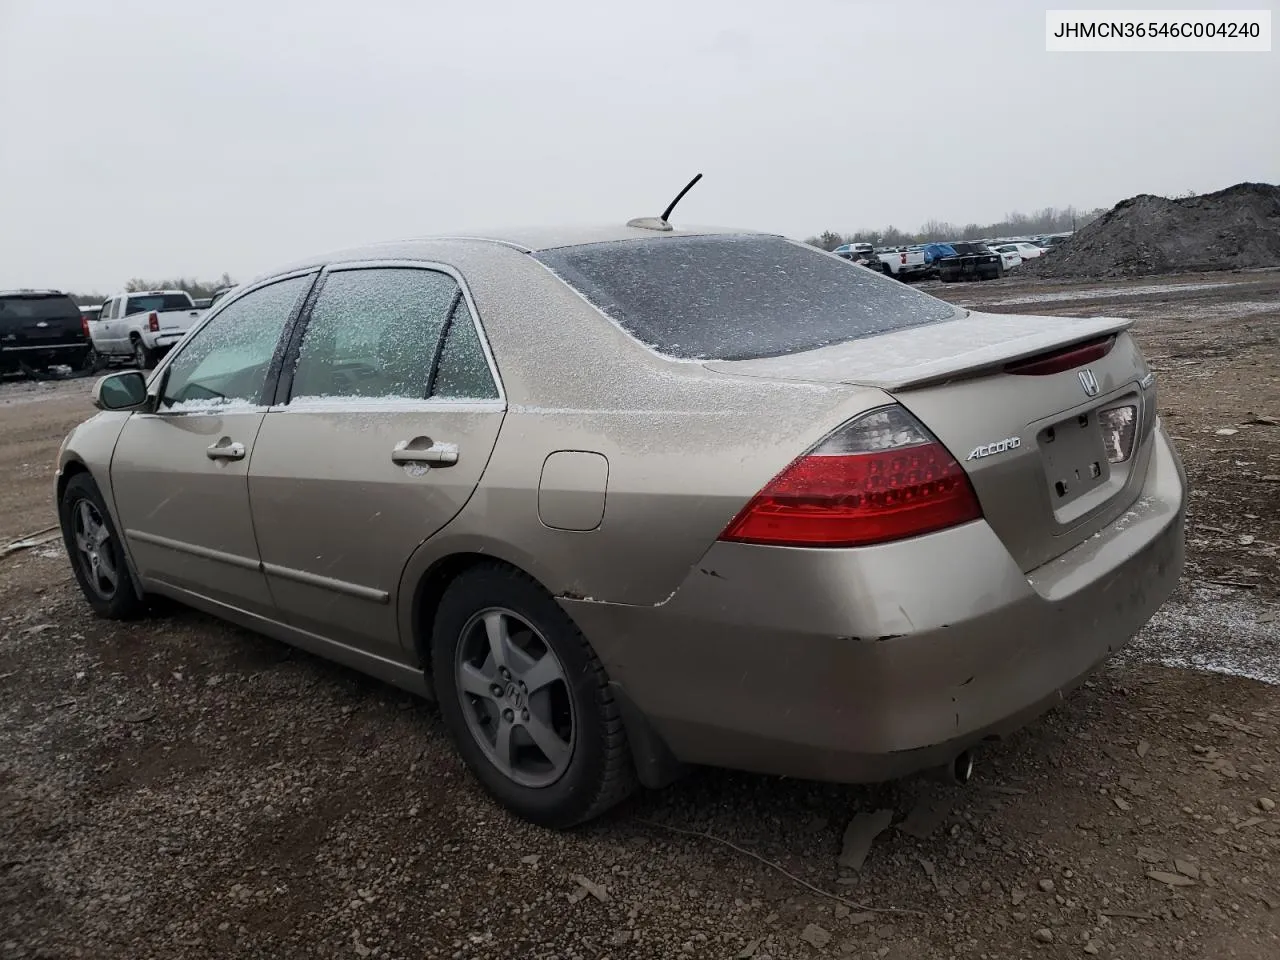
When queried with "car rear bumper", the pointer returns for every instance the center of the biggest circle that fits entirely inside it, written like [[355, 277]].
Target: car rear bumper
[[868, 664], [163, 340], [42, 353]]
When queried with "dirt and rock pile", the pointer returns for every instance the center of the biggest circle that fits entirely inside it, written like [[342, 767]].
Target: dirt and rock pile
[[1233, 229]]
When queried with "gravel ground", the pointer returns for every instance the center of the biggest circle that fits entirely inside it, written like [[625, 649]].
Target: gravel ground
[[178, 788]]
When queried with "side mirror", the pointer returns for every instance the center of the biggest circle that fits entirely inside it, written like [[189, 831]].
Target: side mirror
[[126, 390]]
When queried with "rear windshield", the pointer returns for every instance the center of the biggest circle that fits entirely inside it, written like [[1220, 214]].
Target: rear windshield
[[38, 307], [144, 303], [968, 249], [738, 297]]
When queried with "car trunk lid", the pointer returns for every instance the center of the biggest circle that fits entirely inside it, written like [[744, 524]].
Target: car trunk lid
[[1032, 407]]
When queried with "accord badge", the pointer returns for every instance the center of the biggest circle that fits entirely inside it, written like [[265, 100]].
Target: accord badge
[[1000, 446]]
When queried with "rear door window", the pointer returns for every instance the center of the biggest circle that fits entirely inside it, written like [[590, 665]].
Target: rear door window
[[463, 373], [738, 297], [374, 333]]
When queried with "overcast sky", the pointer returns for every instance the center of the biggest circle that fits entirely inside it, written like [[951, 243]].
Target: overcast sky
[[159, 137]]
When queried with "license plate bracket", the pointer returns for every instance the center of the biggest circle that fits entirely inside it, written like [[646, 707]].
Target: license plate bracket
[[1075, 458]]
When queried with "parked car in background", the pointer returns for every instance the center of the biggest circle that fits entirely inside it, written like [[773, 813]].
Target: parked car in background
[[41, 329], [203, 303], [1054, 240], [1023, 248], [861, 253], [90, 313], [219, 294], [143, 325], [970, 261], [812, 525], [1009, 258]]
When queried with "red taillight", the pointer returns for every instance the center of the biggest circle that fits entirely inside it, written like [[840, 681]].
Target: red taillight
[[84, 324], [153, 322], [1060, 360], [880, 477]]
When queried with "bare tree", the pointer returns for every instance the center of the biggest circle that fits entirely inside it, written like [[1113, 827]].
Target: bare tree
[[1048, 220], [197, 288]]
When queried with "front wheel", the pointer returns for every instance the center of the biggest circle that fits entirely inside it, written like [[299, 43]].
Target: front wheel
[[95, 550], [526, 700]]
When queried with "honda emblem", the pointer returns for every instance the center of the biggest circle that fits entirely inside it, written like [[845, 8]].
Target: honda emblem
[[1089, 382]]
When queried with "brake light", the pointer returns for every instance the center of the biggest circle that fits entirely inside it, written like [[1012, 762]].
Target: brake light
[[880, 477], [84, 324], [153, 322], [1060, 360]]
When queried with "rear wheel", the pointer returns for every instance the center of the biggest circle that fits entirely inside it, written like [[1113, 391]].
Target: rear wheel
[[95, 550], [143, 355], [526, 700], [93, 361]]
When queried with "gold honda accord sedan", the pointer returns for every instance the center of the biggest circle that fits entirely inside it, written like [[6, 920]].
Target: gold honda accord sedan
[[633, 498]]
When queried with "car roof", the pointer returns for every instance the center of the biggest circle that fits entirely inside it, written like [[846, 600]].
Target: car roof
[[153, 293], [31, 293], [522, 239]]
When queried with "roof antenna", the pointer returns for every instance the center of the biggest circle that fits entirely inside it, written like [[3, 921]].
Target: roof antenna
[[660, 223]]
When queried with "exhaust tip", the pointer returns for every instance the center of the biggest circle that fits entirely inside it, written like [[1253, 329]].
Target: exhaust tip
[[962, 767]]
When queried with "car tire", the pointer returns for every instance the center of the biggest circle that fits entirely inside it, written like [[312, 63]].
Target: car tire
[[143, 355], [96, 551], [93, 361], [501, 730]]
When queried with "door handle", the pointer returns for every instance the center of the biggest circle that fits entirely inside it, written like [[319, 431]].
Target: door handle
[[225, 451], [437, 454]]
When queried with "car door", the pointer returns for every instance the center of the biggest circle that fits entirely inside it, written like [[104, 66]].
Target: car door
[[180, 473], [119, 330], [384, 423], [103, 338]]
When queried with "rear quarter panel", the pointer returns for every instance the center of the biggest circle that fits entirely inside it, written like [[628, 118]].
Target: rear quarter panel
[[686, 447]]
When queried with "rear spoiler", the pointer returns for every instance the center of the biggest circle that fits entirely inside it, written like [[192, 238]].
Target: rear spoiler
[[971, 345]]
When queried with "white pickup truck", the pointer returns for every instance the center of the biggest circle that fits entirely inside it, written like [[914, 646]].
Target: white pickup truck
[[143, 325], [905, 263]]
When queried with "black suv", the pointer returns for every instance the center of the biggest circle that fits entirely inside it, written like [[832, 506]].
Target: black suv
[[41, 328]]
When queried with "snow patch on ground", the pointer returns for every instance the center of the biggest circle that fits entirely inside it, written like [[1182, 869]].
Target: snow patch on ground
[[1086, 293], [1214, 628]]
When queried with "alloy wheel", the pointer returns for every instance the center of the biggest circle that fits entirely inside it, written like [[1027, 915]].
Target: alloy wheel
[[94, 549], [515, 697]]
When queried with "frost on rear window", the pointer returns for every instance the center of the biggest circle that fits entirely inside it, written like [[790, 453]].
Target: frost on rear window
[[226, 361], [374, 333], [738, 297]]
